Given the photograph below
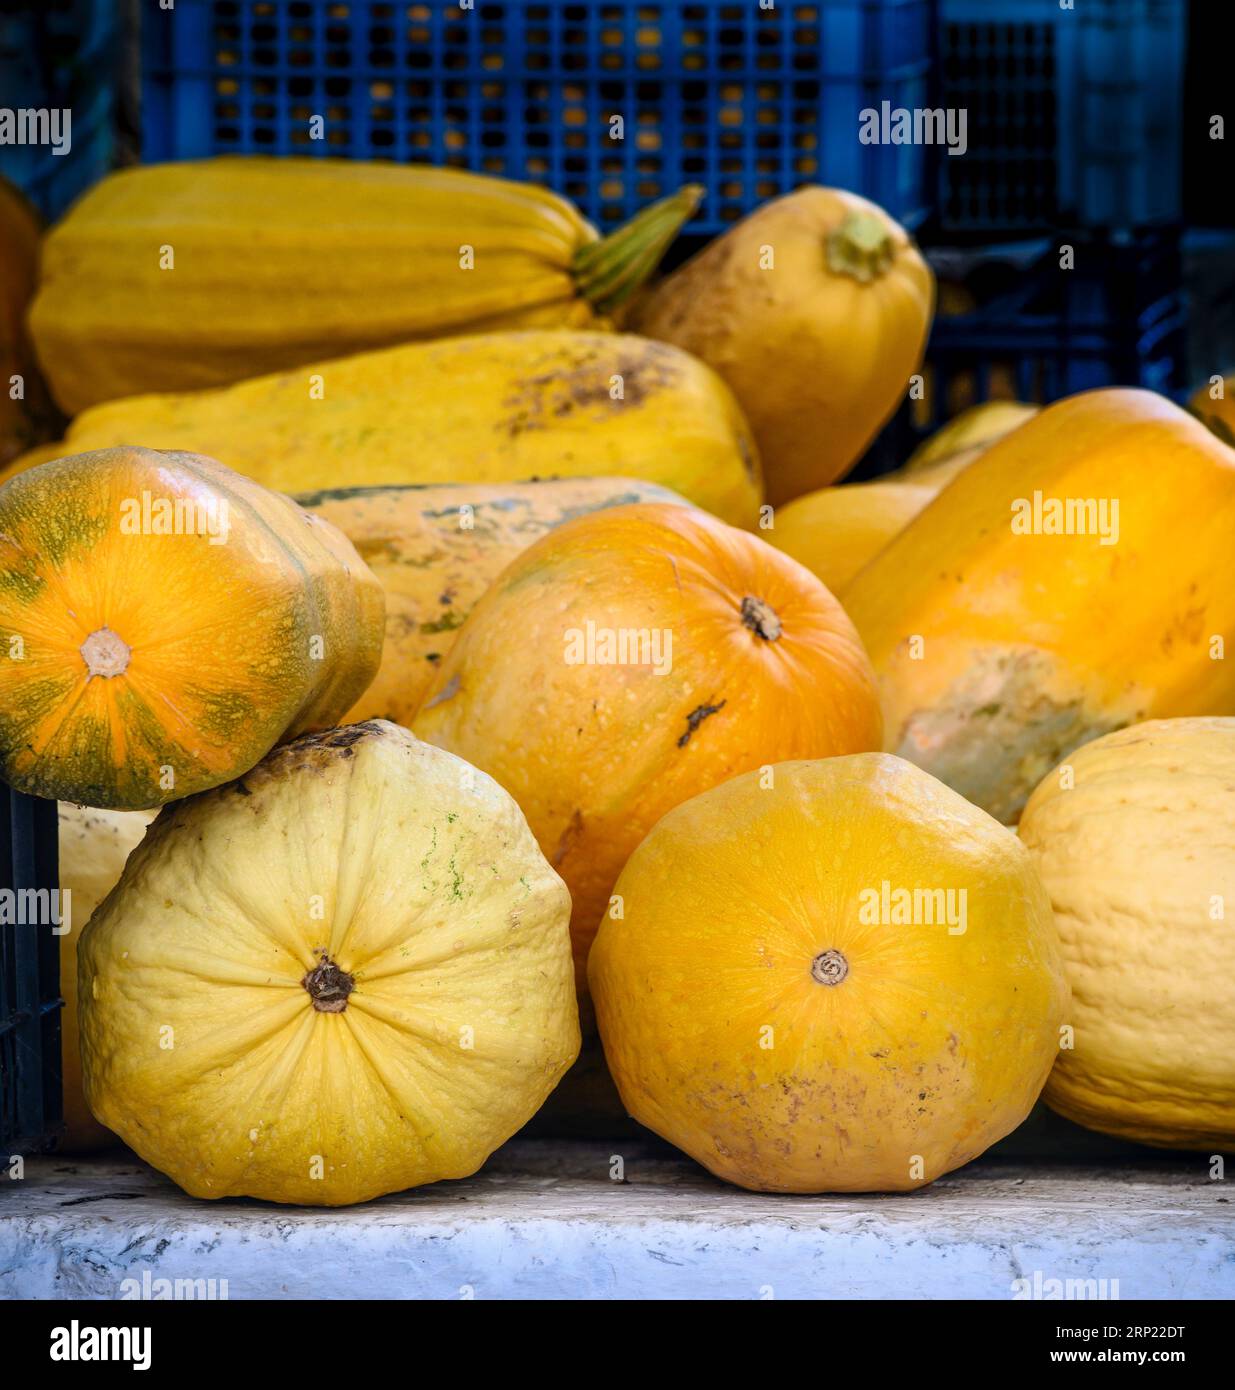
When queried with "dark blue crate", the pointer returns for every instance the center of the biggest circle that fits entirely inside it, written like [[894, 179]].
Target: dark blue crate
[[60, 54], [749, 102], [30, 1077], [1075, 115]]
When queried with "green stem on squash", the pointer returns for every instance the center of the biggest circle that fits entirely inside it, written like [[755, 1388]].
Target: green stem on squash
[[861, 246], [609, 271]]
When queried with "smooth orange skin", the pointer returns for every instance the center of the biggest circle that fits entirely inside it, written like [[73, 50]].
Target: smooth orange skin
[[596, 754], [934, 1045]]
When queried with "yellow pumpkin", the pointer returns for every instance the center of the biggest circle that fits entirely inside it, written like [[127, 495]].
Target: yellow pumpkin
[[973, 428], [436, 549], [93, 848], [1002, 642], [173, 277], [345, 975], [837, 530], [835, 976], [491, 409], [815, 309], [632, 658], [164, 622], [1135, 841]]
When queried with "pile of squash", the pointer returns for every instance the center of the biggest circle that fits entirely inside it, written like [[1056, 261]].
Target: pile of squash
[[515, 682]]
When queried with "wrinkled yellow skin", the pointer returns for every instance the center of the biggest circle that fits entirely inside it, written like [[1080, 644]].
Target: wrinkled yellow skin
[[976, 427], [1137, 854], [285, 261], [837, 530], [93, 848], [417, 876], [492, 409], [817, 358], [435, 549], [719, 1036], [998, 653]]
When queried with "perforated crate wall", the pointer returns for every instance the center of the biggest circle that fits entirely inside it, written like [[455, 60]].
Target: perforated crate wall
[[1074, 115], [747, 101], [30, 1081]]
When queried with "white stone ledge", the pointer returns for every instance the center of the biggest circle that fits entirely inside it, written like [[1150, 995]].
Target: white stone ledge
[[544, 1220]]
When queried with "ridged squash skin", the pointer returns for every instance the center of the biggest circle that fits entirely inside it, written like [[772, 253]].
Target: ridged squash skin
[[435, 550], [143, 662], [176, 277], [494, 409], [1000, 646], [763, 1010], [1137, 852], [93, 848], [31, 417], [760, 664], [347, 974], [837, 530], [815, 309]]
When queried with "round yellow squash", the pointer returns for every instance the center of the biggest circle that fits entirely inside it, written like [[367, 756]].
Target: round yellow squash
[[93, 848], [835, 976], [974, 428], [347, 974], [815, 309], [1134, 837]]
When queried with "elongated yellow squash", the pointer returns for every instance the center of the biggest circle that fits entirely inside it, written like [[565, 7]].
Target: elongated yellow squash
[[173, 277], [436, 549], [1078, 576], [490, 409]]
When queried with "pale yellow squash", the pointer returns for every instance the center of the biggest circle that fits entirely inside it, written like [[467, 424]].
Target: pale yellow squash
[[346, 974], [1135, 840]]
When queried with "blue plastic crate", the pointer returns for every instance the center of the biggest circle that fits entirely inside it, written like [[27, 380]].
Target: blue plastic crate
[[747, 101], [1075, 115], [60, 54]]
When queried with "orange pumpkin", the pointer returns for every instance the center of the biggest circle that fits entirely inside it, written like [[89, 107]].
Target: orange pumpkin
[[164, 622], [631, 659]]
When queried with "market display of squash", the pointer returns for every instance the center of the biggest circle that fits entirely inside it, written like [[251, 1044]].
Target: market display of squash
[[164, 622], [491, 409], [815, 309], [1135, 842], [150, 283], [26, 412], [369, 989], [632, 658], [94, 846], [435, 549], [837, 530], [832, 976], [972, 429], [1043, 598]]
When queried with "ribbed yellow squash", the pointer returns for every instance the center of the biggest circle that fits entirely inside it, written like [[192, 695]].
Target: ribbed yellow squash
[[436, 549], [93, 848], [815, 309], [837, 530], [172, 277], [490, 409], [1135, 841], [829, 976], [1002, 642], [347, 974], [164, 622]]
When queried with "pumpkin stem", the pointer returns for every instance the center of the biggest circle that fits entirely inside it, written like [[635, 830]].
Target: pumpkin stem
[[861, 246], [829, 967], [328, 986], [609, 271], [761, 618], [105, 653]]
